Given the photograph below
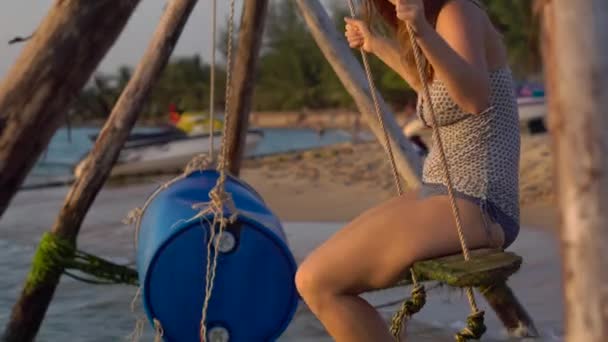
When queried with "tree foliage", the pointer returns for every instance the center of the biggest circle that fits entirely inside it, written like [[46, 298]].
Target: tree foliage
[[292, 72], [520, 28]]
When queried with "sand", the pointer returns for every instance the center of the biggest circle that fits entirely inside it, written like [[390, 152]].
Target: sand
[[337, 183]]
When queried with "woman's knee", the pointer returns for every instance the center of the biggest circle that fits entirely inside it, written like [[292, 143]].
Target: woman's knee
[[315, 285], [308, 280]]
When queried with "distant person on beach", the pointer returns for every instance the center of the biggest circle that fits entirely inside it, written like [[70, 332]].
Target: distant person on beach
[[412, 129], [320, 131], [471, 88]]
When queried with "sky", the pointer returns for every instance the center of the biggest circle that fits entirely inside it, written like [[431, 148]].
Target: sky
[[21, 17]]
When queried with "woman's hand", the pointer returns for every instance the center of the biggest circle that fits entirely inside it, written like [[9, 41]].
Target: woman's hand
[[358, 34], [412, 12]]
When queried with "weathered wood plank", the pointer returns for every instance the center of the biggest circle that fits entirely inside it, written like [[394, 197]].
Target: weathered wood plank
[[576, 59], [509, 310], [484, 267], [243, 80], [50, 72], [352, 76], [487, 270], [29, 311]]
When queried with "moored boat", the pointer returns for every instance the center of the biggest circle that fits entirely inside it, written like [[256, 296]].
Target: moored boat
[[169, 149], [167, 153]]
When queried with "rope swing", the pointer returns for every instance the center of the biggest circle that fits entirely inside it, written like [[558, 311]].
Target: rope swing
[[220, 211], [475, 326]]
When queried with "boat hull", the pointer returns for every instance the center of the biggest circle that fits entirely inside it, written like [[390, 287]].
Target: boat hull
[[141, 158]]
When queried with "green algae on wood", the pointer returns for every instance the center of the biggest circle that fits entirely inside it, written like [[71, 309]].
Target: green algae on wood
[[485, 267]]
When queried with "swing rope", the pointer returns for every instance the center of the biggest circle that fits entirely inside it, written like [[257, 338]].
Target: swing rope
[[220, 210], [212, 80], [219, 197], [475, 325], [418, 298]]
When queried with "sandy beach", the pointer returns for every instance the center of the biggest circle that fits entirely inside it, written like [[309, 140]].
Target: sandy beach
[[352, 178], [319, 189]]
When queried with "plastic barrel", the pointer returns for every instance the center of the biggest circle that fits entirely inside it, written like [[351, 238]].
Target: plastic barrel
[[254, 296]]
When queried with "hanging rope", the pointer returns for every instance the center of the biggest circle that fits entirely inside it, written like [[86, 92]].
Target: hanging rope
[[212, 81], [198, 163], [417, 299], [219, 211], [158, 330], [219, 198], [475, 322]]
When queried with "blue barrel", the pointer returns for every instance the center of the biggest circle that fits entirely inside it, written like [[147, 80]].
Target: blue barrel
[[254, 296]]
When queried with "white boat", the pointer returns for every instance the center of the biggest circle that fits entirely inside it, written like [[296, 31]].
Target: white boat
[[168, 151], [531, 108], [532, 114]]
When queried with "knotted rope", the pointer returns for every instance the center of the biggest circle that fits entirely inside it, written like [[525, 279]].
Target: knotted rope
[[220, 207], [475, 323], [219, 197], [198, 163], [55, 255], [409, 307]]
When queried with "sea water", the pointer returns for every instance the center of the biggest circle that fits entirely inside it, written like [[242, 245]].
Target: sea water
[[69, 146]]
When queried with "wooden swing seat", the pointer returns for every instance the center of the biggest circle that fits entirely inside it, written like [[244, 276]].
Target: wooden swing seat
[[484, 268], [487, 270]]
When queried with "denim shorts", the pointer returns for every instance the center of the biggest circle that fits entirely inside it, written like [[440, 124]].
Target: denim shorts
[[509, 226]]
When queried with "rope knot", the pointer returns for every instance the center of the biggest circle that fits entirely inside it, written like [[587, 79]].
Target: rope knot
[[159, 333], [198, 163], [474, 329], [133, 216], [219, 199], [410, 306]]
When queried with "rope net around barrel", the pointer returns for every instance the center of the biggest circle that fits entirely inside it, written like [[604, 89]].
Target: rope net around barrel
[[219, 211], [475, 322]]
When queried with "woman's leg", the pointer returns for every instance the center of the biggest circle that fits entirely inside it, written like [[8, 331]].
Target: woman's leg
[[374, 251]]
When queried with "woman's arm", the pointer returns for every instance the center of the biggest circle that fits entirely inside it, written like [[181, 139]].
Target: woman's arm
[[388, 51], [456, 51], [359, 35]]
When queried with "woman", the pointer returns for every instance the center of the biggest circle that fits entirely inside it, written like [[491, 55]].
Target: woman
[[472, 92]]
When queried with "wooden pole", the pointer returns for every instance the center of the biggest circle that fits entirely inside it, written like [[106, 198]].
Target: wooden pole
[[351, 74], [29, 311], [509, 310], [50, 72], [577, 59], [243, 79]]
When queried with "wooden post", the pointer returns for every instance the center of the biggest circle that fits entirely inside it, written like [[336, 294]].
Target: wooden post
[[52, 69], [351, 74], [243, 79], [29, 311], [509, 310], [577, 61]]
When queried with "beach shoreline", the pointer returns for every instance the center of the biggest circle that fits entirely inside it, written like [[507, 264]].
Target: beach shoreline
[[290, 182]]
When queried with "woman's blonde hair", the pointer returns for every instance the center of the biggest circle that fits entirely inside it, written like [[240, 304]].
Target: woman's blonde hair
[[384, 10]]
